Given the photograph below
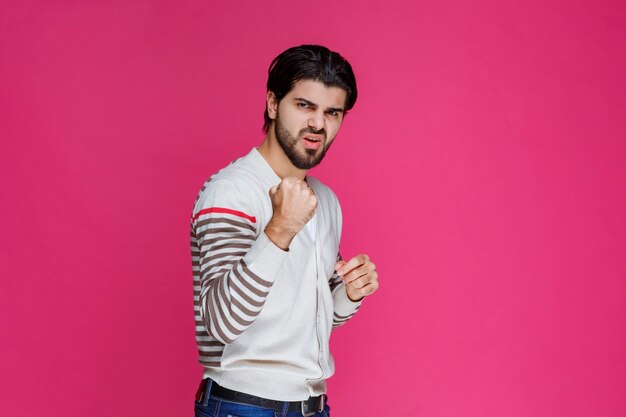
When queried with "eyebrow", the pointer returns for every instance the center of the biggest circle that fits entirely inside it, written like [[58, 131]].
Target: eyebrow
[[310, 103]]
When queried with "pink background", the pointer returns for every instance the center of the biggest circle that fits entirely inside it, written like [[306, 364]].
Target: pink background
[[483, 169]]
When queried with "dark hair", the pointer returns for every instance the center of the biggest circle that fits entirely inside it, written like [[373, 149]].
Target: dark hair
[[309, 62]]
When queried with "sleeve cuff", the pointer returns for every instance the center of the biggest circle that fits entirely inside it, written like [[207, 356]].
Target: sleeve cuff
[[343, 305], [264, 258]]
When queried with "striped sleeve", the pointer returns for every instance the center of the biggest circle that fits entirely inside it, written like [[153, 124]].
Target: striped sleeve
[[344, 308], [237, 262]]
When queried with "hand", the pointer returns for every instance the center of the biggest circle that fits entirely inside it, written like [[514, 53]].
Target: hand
[[360, 276], [293, 203]]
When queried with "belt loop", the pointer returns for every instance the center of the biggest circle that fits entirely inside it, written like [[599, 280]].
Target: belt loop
[[207, 392], [285, 409]]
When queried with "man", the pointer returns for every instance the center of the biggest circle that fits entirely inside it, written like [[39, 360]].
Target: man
[[269, 282]]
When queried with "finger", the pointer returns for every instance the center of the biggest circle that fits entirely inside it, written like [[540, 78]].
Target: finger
[[364, 290], [358, 283], [363, 269], [355, 274], [273, 190], [369, 288], [339, 264], [364, 280], [353, 263]]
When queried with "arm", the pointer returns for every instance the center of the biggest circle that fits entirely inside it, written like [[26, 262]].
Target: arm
[[237, 262]]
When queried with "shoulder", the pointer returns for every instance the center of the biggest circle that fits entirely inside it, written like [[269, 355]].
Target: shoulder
[[242, 174], [240, 171], [234, 187]]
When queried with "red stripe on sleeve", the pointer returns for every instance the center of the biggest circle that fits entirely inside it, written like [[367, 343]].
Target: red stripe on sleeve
[[224, 210]]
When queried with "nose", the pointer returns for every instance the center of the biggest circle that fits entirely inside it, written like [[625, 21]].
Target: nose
[[316, 121]]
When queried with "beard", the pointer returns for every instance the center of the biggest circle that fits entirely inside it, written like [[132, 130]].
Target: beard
[[289, 143]]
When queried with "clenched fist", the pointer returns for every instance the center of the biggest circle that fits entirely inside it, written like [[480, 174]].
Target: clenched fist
[[294, 203]]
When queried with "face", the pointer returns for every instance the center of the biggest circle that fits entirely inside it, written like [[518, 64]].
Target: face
[[306, 121]]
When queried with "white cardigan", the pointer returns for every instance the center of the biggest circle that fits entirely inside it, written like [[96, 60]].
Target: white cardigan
[[264, 315]]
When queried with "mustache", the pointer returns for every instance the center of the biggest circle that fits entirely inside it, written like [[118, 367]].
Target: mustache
[[321, 132]]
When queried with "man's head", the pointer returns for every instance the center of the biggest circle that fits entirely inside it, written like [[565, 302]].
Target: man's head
[[309, 91]]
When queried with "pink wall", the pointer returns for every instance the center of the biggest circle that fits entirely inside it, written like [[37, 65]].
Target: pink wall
[[483, 169]]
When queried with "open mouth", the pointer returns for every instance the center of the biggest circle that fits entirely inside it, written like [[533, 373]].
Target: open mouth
[[312, 142]]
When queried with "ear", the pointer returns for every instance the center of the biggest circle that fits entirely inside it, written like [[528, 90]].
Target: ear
[[272, 104]]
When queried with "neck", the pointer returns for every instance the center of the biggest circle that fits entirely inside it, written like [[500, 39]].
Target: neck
[[273, 153]]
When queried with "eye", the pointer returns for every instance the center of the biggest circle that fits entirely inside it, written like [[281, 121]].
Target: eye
[[332, 112], [303, 105]]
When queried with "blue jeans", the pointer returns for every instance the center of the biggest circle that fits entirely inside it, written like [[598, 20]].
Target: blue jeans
[[216, 407]]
